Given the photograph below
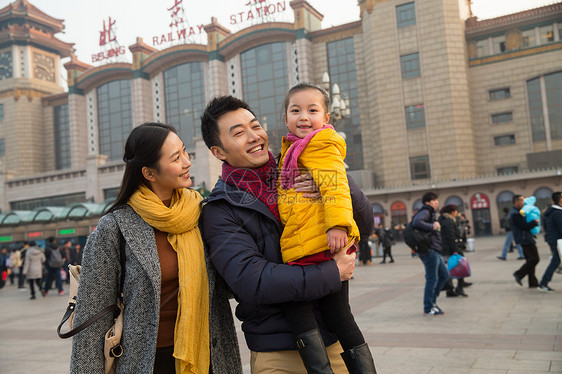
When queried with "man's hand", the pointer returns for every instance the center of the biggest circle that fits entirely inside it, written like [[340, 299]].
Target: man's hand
[[337, 239], [436, 226], [346, 264], [304, 183]]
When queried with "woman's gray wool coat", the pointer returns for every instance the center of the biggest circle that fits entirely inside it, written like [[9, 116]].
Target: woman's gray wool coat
[[98, 288]]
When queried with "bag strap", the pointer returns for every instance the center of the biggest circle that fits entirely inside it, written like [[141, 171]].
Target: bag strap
[[108, 309]]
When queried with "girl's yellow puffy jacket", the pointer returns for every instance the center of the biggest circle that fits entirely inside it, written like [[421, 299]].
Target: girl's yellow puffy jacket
[[306, 221]]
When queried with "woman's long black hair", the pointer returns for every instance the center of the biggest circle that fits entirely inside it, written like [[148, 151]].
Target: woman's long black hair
[[143, 148]]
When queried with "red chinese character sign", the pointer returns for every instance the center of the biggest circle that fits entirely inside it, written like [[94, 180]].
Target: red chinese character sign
[[111, 50], [180, 31], [479, 201], [107, 35]]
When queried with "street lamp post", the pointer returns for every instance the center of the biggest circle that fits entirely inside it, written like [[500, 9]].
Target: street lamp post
[[338, 108]]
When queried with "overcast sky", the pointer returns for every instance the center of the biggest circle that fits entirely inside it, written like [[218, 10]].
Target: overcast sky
[[149, 18]]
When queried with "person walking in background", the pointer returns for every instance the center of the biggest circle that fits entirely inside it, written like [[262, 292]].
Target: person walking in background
[[385, 238], [4, 262], [76, 255], [522, 235], [452, 243], [55, 261], [504, 224], [436, 273], [553, 228], [464, 226], [364, 251], [23, 253], [67, 254], [16, 266], [33, 269]]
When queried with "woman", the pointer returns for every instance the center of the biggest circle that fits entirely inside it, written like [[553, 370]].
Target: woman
[[173, 302], [452, 242]]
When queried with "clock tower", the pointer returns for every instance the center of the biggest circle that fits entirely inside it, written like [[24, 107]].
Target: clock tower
[[30, 66]]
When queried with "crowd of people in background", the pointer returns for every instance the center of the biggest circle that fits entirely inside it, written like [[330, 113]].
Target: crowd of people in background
[[40, 267]]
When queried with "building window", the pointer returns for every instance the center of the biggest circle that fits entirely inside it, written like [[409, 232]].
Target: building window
[[62, 136], [482, 48], [419, 167], [539, 110], [184, 110], [415, 116], [2, 147], [264, 84], [406, 14], [60, 201], [410, 65], [115, 117], [535, 109], [546, 34], [502, 93], [498, 44], [504, 139], [502, 118], [343, 72], [553, 83], [507, 170], [528, 38], [1, 112]]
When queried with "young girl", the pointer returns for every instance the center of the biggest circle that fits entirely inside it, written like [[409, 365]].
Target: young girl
[[315, 229]]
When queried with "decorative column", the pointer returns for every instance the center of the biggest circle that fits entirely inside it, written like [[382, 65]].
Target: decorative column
[[140, 84]]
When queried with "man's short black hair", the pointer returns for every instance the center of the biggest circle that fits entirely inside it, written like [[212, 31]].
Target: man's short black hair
[[214, 110], [515, 198], [429, 196], [556, 197]]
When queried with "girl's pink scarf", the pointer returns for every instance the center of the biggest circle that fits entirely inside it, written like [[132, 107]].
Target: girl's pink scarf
[[290, 169]]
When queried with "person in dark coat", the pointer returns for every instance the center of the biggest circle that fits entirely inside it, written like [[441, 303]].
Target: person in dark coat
[[452, 243], [436, 273], [553, 229], [522, 235], [242, 235]]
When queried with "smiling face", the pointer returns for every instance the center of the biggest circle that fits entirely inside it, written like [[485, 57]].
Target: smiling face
[[244, 142], [306, 112], [173, 169]]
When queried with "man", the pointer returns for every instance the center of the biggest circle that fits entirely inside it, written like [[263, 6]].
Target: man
[[553, 228], [436, 273], [67, 255], [33, 270], [242, 232], [504, 224], [522, 235]]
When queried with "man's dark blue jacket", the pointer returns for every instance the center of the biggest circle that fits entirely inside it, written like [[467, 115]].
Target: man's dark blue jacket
[[521, 228], [242, 237], [553, 223], [423, 220]]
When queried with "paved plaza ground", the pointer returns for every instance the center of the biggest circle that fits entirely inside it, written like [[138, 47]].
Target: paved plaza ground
[[501, 328]]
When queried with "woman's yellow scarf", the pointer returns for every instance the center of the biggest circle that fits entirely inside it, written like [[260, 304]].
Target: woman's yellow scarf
[[180, 221]]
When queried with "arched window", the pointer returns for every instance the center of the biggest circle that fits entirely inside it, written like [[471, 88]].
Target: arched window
[[544, 197], [456, 201], [398, 213], [504, 201], [417, 206], [377, 208]]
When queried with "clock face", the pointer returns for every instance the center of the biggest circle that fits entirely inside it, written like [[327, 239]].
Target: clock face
[[6, 70], [43, 67]]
